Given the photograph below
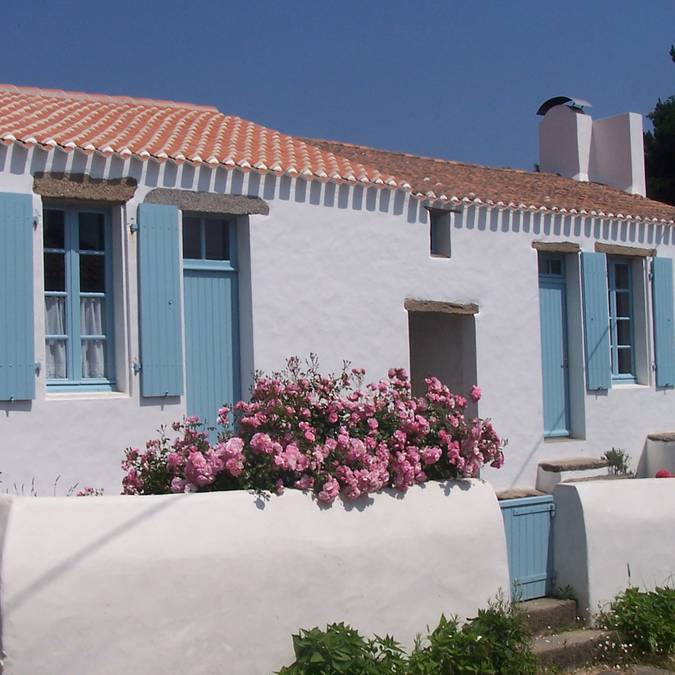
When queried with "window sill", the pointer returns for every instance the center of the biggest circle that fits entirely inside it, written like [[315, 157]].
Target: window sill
[[84, 395], [629, 385]]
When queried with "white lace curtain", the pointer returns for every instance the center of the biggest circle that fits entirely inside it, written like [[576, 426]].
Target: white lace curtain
[[91, 323]]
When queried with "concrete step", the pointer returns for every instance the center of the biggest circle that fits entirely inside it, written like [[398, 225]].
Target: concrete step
[[550, 473], [549, 615], [569, 649]]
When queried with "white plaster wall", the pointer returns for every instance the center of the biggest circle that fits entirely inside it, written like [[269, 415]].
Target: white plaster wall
[[342, 291], [217, 583], [612, 534], [659, 455], [328, 272]]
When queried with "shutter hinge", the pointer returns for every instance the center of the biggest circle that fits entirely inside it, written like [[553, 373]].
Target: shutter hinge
[[38, 366], [36, 221], [136, 365], [654, 366], [133, 226]]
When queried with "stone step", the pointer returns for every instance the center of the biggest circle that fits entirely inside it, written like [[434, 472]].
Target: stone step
[[570, 649], [550, 473], [548, 615]]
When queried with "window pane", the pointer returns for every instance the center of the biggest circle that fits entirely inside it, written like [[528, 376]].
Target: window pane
[[625, 366], [93, 358], [621, 276], [55, 272], [55, 316], [92, 273], [53, 229], [192, 241], [56, 359], [623, 332], [216, 240], [92, 316], [91, 232], [623, 304], [556, 266]]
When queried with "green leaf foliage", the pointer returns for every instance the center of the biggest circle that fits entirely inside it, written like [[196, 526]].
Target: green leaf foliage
[[496, 641], [660, 150], [644, 620]]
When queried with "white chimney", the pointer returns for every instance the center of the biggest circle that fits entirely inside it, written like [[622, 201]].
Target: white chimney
[[617, 153], [565, 142], [608, 151]]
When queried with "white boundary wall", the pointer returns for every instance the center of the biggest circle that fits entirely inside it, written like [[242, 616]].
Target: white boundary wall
[[604, 528], [217, 583]]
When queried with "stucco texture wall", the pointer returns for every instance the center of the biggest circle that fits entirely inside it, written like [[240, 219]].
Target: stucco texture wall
[[217, 583], [609, 535], [328, 271]]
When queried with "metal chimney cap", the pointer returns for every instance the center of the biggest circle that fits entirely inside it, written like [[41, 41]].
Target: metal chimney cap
[[577, 104]]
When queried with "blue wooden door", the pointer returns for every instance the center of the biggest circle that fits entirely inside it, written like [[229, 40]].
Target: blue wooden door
[[553, 314], [527, 524], [211, 313]]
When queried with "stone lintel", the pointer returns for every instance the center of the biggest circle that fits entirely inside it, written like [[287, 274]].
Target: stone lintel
[[556, 246], [439, 307], [616, 249], [79, 186], [209, 202]]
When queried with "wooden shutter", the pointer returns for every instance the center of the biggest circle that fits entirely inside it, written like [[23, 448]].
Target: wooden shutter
[[160, 306], [664, 336], [17, 352], [596, 321]]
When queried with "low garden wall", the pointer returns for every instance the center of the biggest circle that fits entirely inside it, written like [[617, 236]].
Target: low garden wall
[[218, 582], [611, 534]]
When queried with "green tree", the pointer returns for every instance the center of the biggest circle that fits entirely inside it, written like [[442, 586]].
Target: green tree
[[660, 150]]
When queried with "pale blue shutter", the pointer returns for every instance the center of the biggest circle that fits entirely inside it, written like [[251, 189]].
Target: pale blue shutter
[[596, 321], [159, 297], [17, 355], [664, 336]]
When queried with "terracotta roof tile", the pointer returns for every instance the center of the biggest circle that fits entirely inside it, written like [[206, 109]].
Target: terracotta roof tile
[[166, 130], [455, 181], [195, 133]]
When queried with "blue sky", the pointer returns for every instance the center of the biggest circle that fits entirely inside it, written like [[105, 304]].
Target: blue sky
[[459, 79]]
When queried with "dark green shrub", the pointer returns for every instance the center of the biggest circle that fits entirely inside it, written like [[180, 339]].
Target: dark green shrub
[[341, 649], [496, 641], [644, 620]]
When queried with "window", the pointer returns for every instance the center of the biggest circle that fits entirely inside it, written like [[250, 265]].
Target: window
[[439, 233], [206, 238], [78, 297], [621, 321]]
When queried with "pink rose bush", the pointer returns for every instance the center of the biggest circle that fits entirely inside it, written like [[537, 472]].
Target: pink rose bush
[[330, 435]]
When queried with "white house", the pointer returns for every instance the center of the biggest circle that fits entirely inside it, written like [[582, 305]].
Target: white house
[[153, 254]]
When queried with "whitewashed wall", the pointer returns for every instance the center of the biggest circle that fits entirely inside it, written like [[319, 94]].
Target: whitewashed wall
[[217, 583], [609, 535], [328, 272]]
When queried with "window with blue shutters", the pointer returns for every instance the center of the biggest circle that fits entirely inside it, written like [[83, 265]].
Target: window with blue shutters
[[78, 298], [621, 320]]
